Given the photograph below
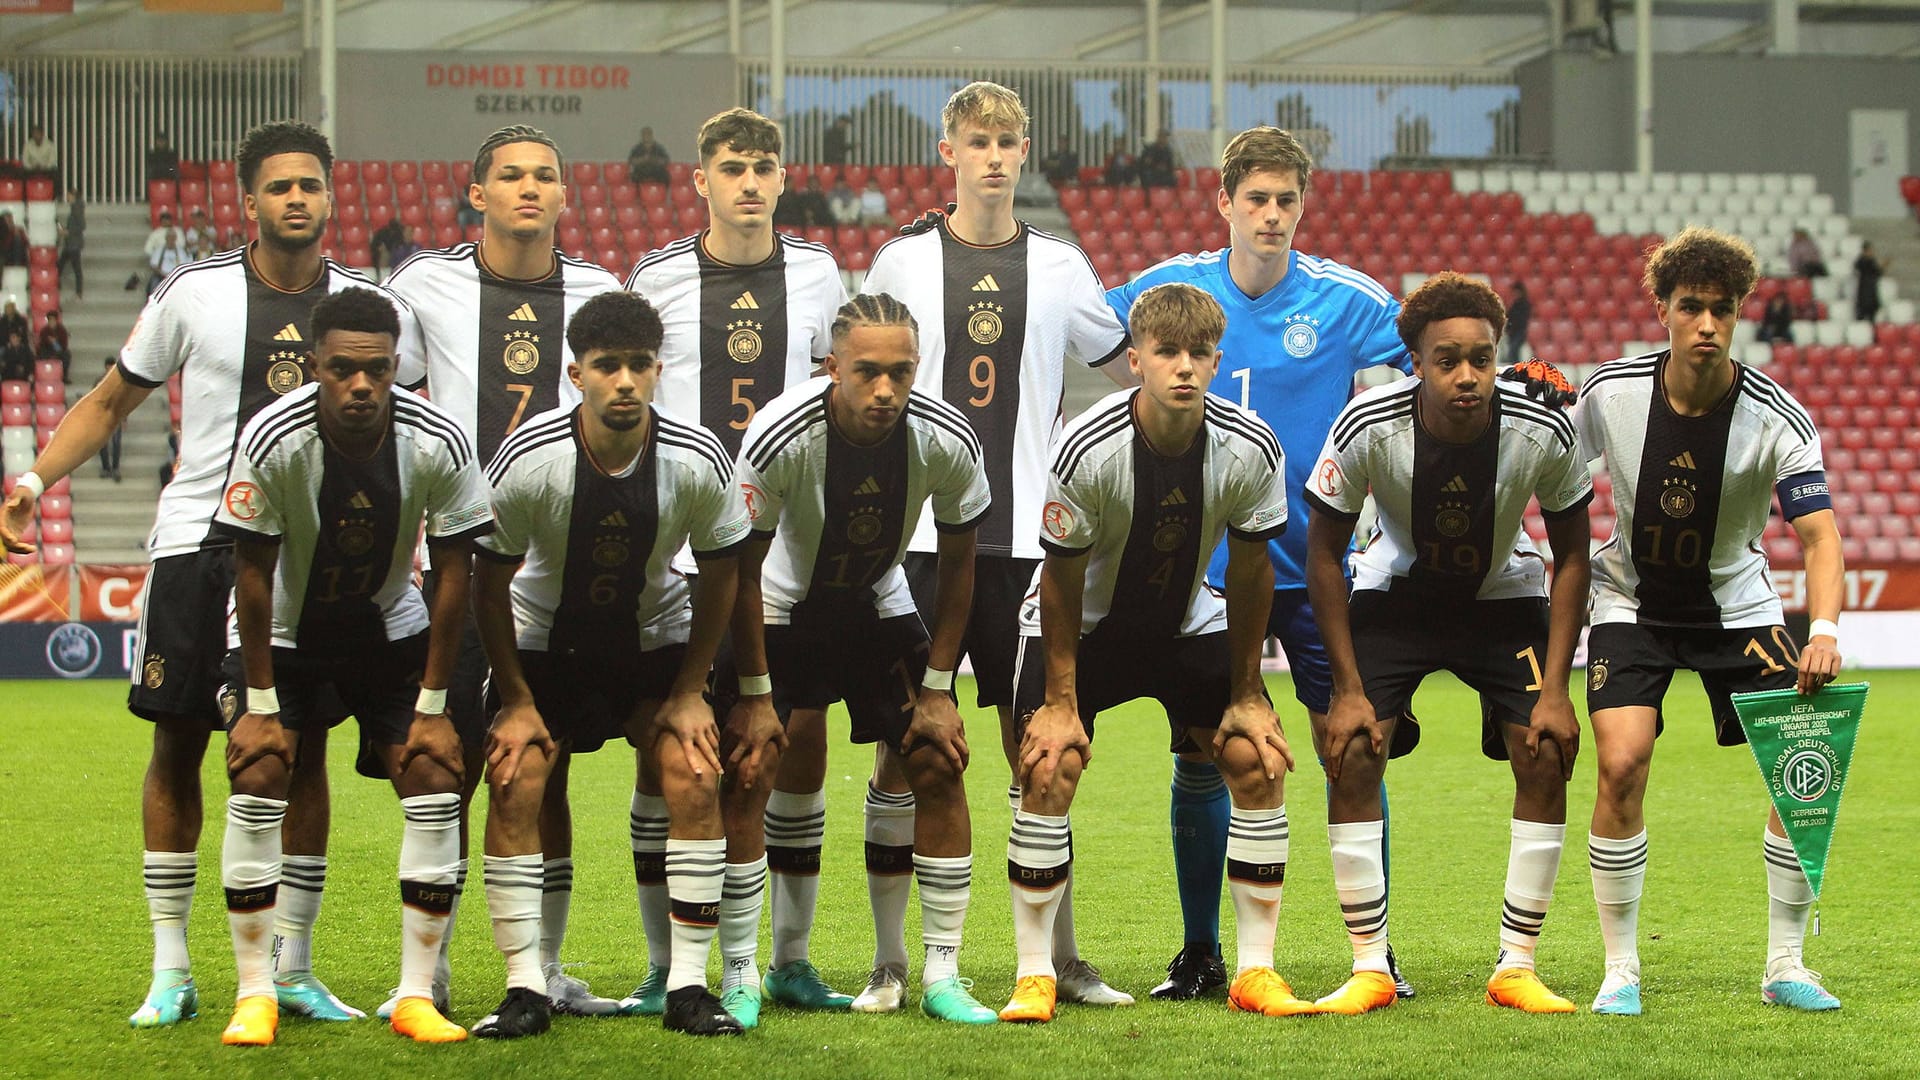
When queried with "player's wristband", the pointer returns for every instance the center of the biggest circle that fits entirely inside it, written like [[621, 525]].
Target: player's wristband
[[756, 685], [263, 701], [1824, 627], [935, 679], [32, 482], [431, 702]]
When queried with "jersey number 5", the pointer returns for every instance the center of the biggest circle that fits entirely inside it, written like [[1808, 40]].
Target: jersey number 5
[[744, 402]]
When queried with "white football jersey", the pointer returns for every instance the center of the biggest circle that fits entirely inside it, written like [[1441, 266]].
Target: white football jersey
[[1691, 495], [1148, 523], [497, 349], [237, 344], [997, 325], [346, 528], [1448, 514], [840, 514], [738, 336], [595, 549]]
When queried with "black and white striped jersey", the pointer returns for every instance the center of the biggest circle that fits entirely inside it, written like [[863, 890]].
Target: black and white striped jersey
[[840, 514], [595, 548], [997, 325], [1148, 523], [496, 348], [1449, 514], [738, 336], [1691, 494], [238, 344], [346, 528]]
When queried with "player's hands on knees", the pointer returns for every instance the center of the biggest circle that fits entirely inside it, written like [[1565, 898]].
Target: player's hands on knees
[[255, 738], [15, 515], [1553, 718], [690, 718], [1053, 732], [936, 720], [515, 730], [752, 729], [1351, 717], [1819, 664], [1254, 720], [432, 736]]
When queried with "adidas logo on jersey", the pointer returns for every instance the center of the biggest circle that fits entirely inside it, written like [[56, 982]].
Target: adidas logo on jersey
[[288, 332], [360, 501], [986, 284], [869, 486], [1684, 461], [523, 313], [1457, 484], [617, 520], [1176, 497], [745, 302]]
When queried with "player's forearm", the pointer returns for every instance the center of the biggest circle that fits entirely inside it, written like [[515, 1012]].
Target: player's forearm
[[1327, 592], [88, 426], [1567, 597], [1826, 566], [1249, 582], [713, 606], [253, 610], [952, 599], [1063, 583], [452, 585], [493, 612], [749, 624]]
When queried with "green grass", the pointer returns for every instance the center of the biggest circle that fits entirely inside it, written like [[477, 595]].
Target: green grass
[[76, 949]]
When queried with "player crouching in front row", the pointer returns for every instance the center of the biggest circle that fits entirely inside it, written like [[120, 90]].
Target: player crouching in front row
[[589, 632], [325, 498], [1141, 488], [1449, 581]]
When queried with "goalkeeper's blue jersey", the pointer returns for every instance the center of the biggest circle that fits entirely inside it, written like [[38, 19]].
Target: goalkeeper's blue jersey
[[1290, 357]]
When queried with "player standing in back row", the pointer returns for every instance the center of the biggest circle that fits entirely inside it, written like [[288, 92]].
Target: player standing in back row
[[1698, 445], [1002, 306], [748, 313], [1299, 328], [494, 315], [233, 328]]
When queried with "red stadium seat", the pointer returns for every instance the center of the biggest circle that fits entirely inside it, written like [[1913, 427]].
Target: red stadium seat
[[345, 172], [859, 260], [224, 170], [887, 175], [691, 217], [50, 391], [855, 176], [413, 216], [849, 238], [373, 172], [409, 193], [603, 237], [797, 174], [433, 172], [597, 217], [443, 213], [16, 414], [404, 172], [613, 262], [56, 554], [55, 506], [1132, 199], [629, 216], [462, 173], [877, 235], [1102, 198], [57, 531], [636, 240], [589, 195], [915, 176], [679, 174], [623, 194], [659, 217], [1072, 199], [448, 235], [819, 234], [379, 193], [652, 194], [16, 392]]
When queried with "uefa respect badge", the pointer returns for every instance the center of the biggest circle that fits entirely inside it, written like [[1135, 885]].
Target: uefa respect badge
[[1803, 744]]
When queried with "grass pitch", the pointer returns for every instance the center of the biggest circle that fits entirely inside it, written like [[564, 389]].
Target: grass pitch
[[75, 953]]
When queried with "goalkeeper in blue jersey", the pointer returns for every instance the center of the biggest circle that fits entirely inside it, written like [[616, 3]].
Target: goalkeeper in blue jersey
[[1299, 328]]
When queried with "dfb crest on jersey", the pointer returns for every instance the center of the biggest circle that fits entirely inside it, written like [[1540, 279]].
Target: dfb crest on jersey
[[1677, 498], [522, 353], [1300, 338], [863, 529], [1452, 520], [983, 322], [285, 373], [743, 340]]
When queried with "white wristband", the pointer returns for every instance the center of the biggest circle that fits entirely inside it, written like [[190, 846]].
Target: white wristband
[[756, 685], [263, 701], [431, 702], [32, 482], [1824, 628], [935, 679]]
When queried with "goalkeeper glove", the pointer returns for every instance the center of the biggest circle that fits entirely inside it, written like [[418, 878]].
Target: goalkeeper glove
[[1544, 382]]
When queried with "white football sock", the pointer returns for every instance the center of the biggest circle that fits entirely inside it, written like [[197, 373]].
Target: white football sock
[[1360, 879], [303, 878], [169, 881], [796, 824], [1039, 860], [945, 885], [250, 872], [515, 901], [647, 829], [1789, 899], [742, 895], [1533, 860], [890, 865], [430, 867], [1257, 842], [556, 900], [1619, 870], [696, 873]]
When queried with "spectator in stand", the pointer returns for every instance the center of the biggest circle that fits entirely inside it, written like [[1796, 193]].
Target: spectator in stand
[[166, 251], [172, 460], [836, 147], [13, 241], [39, 157], [1513, 344], [233, 237], [465, 215], [1803, 256], [16, 357], [73, 238], [199, 235], [805, 209], [52, 343], [1062, 167], [1776, 322], [1867, 269], [1121, 166], [647, 162], [845, 204], [1157, 161], [385, 242], [13, 320], [163, 161], [873, 205], [110, 451], [411, 246]]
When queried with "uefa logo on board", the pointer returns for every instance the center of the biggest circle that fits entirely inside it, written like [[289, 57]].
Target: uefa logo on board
[[73, 650]]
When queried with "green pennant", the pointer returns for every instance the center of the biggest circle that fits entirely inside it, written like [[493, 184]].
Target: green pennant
[[1803, 744]]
